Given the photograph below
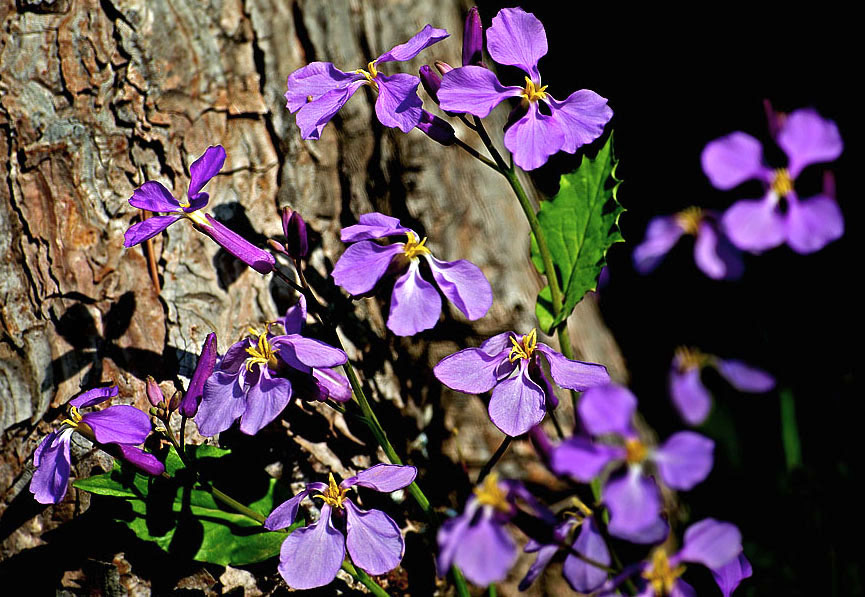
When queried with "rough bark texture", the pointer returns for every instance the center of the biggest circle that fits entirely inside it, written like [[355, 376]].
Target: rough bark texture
[[98, 96]]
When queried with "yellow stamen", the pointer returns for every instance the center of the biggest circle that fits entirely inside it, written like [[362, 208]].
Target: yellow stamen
[[532, 92], [524, 348], [660, 576], [75, 418], [582, 507], [333, 495], [262, 353], [369, 74], [635, 451], [196, 216], [690, 358], [492, 494], [689, 219], [413, 247], [782, 184]]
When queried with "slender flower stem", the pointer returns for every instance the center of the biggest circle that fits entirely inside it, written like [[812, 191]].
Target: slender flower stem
[[474, 153], [494, 459], [233, 503], [364, 578], [557, 425]]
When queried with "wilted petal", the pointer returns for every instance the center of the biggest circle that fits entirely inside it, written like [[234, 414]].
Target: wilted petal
[[517, 38], [222, 401], [463, 283], [807, 138], [754, 224], [310, 352], [312, 117], [574, 375], [422, 39], [733, 159], [383, 477], [310, 557], [744, 377], [690, 396], [582, 576], [685, 459], [203, 370], [362, 266], [607, 409], [373, 539], [583, 459], [485, 552], [662, 234], [470, 370], [94, 397], [582, 118], [633, 500], [119, 424], [264, 401], [731, 574], [283, 516], [533, 138], [145, 229], [473, 89], [813, 223], [145, 461], [711, 543], [398, 105], [52, 461], [715, 255], [258, 259], [415, 305], [517, 404], [334, 383], [153, 196], [203, 169], [313, 81]]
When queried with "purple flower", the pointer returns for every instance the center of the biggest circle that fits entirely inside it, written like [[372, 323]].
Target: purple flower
[[203, 370], [119, 424], [630, 493], [807, 225], [732, 573], [712, 251], [511, 368], [258, 376], [317, 91], [152, 196], [690, 396], [415, 304], [311, 556], [518, 38]]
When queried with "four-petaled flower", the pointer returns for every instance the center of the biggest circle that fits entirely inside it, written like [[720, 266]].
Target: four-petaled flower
[[415, 304], [807, 225], [311, 556], [520, 401], [120, 425], [154, 197], [318, 90], [517, 38]]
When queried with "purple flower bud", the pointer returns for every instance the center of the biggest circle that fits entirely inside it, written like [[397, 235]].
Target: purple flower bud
[[431, 82], [473, 39], [203, 370], [154, 393], [443, 67], [294, 227], [175, 401], [437, 129]]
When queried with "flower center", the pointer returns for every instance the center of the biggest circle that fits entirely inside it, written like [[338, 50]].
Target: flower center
[[533, 92], [75, 418], [414, 247], [262, 353], [635, 450], [492, 494], [782, 184], [660, 576], [524, 348], [196, 216], [334, 494], [689, 219], [369, 74], [690, 358]]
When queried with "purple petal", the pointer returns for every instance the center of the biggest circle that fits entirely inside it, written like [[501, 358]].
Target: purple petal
[[264, 401], [333, 384], [383, 477], [574, 375], [495, 345], [685, 459], [690, 396], [711, 543], [372, 225], [473, 89], [744, 377], [295, 317], [51, 477], [545, 555], [415, 305], [313, 117], [470, 370], [153, 197], [534, 138], [517, 404], [813, 223], [424, 38], [733, 159], [203, 169], [313, 81], [661, 235], [582, 576], [235, 357], [203, 370], [398, 105], [284, 514], [310, 557], [145, 461], [485, 552], [310, 352], [373, 539], [651, 534], [731, 574], [222, 402], [682, 589], [119, 424], [517, 38], [145, 229], [363, 264], [94, 397], [583, 459], [754, 224], [463, 283], [449, 538], [633, 500], [607, 409], [807, 138], [716, 256], [258, 259], [582, 118]]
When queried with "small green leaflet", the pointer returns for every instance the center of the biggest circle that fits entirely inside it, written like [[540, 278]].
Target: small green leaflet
[[580, 224]]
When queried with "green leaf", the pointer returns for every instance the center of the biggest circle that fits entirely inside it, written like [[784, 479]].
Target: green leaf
[[580, 224]]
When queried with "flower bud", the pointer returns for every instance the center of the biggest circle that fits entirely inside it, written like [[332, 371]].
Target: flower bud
[[175, 401], [154, 393], [443, 67], [473, 39], [294, 227], [437, 129], [431, 82], [203, 370]]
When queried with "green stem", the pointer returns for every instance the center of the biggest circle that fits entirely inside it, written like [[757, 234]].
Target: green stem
[[488, 467], [475, 154], [364, 578], [790, 431], [460, 582], [233, 503]]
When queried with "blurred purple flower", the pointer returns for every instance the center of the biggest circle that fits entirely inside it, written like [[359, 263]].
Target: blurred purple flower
[[317, 91], [311, 556], [119, 424], [732, 573], [755, 225], [713, 253], [690, 396], [630, 493], [154, 197], [519, 401], [517, 38], [415, 304]]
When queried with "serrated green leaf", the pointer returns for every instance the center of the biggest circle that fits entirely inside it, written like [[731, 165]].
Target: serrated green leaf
[[580, 224]]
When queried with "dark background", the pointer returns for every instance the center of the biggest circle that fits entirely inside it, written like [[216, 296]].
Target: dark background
[[677, 80]]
